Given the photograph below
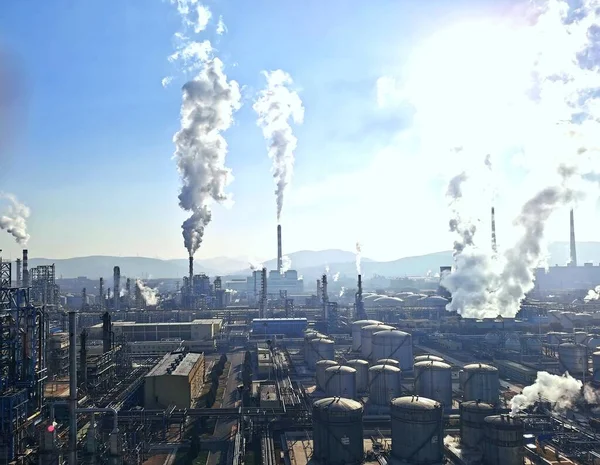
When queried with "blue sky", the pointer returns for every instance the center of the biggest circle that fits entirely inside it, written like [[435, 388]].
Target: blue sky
[[90, 141]]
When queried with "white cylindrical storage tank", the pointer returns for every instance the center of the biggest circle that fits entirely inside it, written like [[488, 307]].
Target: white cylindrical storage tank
[[338, 431], [362, 374], [394, 344], [356, 327], [503, 440], [309, 335], [366, 335], [433, 380], [580, 337], [596, 365], [388, 361], [428, 357], [573, 358], [592, 342], [320, 368], [513, 343], [384, 384], [533, 345], [492, 339], [321, 349], [481, 382], [472, 417], [417, 433], [340, 382]]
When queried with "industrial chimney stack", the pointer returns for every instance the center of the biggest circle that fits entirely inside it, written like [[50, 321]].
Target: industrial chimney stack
[[573, 248], [191, 274], [101, 294], [19, 273], [117, 288], [279, 252], [25, 268], [325, 296], [494, 245]]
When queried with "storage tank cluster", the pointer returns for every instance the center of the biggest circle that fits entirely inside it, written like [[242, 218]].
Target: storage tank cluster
[[362, 374], [384, 384], [338, 431], [340, 381], [395, 345], [417, 430], [318, 347], [366, 338], [320, 375], [434, 380], [356, 332], [480, 382], [573, 358]]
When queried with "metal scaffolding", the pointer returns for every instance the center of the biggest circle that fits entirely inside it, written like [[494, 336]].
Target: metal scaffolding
[[22, 366], [44, 290]]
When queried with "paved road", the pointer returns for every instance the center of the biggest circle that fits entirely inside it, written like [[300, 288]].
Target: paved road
[[223, 427]]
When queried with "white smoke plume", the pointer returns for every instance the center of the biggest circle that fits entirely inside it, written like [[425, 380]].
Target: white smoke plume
[[562, 391], [209, 102], [286, 263], [149, 294], [327, 270], [560, 93], [336, 276], [221, 27], [591, 395], [593, 294], [14, 219], [358, 252], [342, 291], [276, 105]]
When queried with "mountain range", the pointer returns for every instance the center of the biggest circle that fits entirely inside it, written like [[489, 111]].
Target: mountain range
[[310, 264]]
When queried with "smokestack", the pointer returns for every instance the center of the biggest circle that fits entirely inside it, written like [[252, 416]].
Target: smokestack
[[263, 293], [19, 278], [573, 247], [117, 288], [494, 245], [325, 297], [128, 292], [359, 304], [101, 294], [72, 388], [106, 333], [319, 291], [191, 274], [83, 358], [25, 268], [279, 253]]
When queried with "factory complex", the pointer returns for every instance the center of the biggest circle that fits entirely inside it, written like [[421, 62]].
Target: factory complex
[[268, 373]]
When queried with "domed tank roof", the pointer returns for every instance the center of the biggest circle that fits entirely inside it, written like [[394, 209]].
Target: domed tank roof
[[358, 361], [371, 296], [413, 297], [566, 345], [389, 368], [415, 403], [433, 365], [391, 334], [365, 322], [504, 422], [423, 358], [476, 405], [322, 340], [331, 363], [382, 326], [340, 369], [338, 404], [433, 301], [387, 299], [479, 367]]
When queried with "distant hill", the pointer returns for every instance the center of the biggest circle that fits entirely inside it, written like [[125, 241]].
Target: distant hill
[[310, 264]]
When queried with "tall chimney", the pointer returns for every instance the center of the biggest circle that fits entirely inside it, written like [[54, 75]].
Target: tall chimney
[[191, 275], [319, 291], [494, 245], [263, 293], [573, 248], [117, 288], [25, 268], [101, 294], [19, 274], [325, 296], [279, 253]]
